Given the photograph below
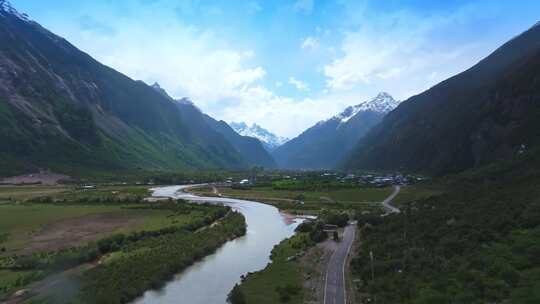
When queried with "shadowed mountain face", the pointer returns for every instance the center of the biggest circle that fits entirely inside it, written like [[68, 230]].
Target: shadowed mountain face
[[325, 144], [250, 149], [63, 110], [487, 113]]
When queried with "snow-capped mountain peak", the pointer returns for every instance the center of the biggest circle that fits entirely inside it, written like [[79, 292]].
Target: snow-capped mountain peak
[[382, 103], [269, 139], [6, 7]]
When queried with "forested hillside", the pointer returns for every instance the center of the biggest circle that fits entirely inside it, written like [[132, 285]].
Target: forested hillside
[[487, 113], [62, 110], [477, 243]]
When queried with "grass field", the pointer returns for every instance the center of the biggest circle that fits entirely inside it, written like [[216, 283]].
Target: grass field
[[22, 193], [122, 191], [66, 225], [27, 192], [314, 201], [354, 195]]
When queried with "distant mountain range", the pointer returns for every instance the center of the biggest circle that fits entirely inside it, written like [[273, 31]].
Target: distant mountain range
[[251, 149], [268, 139], [62, 110], [488, 113], [325, 144]]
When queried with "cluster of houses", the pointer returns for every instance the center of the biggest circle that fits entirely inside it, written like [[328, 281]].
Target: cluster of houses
[[366, 179], [377, 180], [382, 180]]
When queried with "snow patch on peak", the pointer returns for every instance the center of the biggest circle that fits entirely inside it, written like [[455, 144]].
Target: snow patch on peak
[[382, 103], [6, 7], [269, 139]]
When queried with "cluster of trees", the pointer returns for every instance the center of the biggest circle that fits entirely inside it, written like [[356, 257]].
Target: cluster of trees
[[40, 264], [339, 219], [148, 263], [314, 229], [478, 243]]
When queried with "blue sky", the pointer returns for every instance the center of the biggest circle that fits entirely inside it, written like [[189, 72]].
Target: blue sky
[[285, 64]]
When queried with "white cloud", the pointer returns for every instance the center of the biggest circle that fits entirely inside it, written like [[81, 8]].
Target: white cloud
[[283, 115], [395, 51], [310, 43], [305, 6], [187, 62], [392, 52], [383, 51], [300, 85]]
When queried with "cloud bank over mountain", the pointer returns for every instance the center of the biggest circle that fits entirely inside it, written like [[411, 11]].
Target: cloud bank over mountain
[[237, 65]]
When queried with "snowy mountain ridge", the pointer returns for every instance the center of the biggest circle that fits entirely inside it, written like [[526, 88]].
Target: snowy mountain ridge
[[382, 103], [269, 139]]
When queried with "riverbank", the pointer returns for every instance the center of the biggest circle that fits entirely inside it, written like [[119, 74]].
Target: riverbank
[[105, 230], [305, 202], [152, 262], [212, 279]]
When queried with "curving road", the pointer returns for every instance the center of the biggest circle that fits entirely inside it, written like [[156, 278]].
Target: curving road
[[387, 202], [334, 288]]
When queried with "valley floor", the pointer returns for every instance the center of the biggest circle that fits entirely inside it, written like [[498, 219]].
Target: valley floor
[[52, 237], [300, 268]]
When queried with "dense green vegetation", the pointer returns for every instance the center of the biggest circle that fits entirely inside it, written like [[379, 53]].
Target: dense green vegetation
[[164, 236], [149, 262], [114, 124], [479, 242], [486, 113], [280, 281]]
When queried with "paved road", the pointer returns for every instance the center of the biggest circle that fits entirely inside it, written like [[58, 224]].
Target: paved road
[[387, 202], [334, 290]]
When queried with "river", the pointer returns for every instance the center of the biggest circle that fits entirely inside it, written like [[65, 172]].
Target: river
[[210, 280]]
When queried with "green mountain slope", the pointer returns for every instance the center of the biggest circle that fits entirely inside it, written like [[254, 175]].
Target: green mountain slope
[[63, 110], [477, 243], [250, 149], [487, 113]]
